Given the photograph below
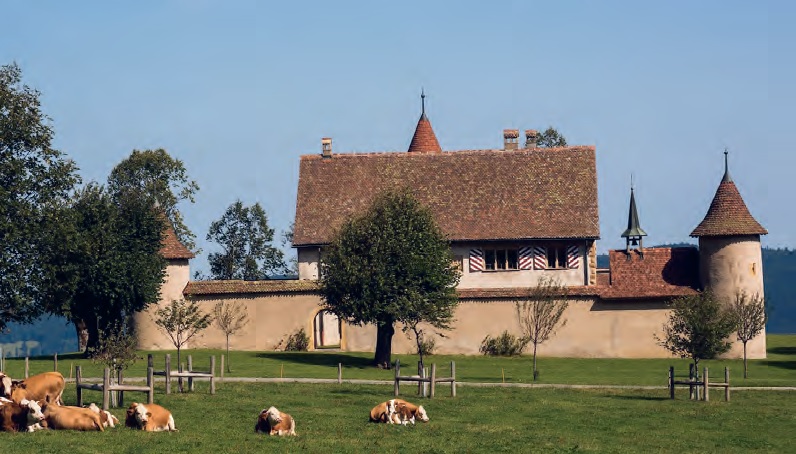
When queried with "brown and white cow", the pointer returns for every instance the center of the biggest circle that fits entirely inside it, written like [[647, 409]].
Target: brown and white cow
[[108, 420], [274, 422], [149, 417], [20, 417], [38, 387], [398, 411], [64, 417]]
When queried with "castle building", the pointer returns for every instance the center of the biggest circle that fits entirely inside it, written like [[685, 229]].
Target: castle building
[[513, 215]]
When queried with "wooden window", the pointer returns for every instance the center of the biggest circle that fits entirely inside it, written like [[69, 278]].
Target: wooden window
[[500, 259], [556, 256]]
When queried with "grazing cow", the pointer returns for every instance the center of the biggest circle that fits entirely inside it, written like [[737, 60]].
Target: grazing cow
[[65, 417], [38, 387], [149, 417], [274, 422], [108, 420], [20, 417], [391, 411], [5, 385]]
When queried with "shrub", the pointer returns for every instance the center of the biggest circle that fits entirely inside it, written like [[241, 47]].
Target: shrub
[[427, 347], [298, 341], [506, 344]]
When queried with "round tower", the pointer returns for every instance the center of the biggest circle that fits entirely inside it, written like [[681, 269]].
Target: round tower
[[730, 256]]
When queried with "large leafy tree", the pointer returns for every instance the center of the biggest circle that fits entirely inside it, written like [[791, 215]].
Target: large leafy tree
[[159, 179], [246, 242], [107, 261], [698, 327], [392, 264], [35, 179]]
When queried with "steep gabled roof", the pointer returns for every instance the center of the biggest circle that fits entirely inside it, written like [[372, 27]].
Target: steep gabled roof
[[659, 273], [474, 195], [728, 214], [171, 248]]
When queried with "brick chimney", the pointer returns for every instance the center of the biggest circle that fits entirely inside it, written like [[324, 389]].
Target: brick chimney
[[326, 147], [531, 136], [510, 138]]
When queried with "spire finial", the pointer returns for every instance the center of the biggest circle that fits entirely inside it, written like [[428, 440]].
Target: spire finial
[[631, 182], [422, 101], [727, 177]]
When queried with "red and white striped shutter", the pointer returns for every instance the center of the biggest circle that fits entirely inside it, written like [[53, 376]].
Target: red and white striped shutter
[[573, 257], [476, 259], [526, 258], [539, 258]]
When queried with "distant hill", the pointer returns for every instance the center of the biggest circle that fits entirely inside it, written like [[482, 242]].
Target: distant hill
[[54, 335], [779, 267]]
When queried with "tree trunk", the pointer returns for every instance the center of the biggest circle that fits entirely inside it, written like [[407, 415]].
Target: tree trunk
[[92, 331], [535, 373], [228, 361], [744, 360], [82, 334], [383, 356]]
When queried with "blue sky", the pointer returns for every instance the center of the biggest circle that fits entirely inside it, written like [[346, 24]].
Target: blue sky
[[238, 90]]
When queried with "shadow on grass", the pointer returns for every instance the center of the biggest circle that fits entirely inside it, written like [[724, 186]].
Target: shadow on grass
[[783, 350], [790, 365], [320, 359]]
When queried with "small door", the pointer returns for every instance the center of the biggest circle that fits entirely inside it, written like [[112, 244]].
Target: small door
[[327, 330]]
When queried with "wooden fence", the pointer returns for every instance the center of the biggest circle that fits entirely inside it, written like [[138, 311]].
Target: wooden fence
[[695, 385], [422, 379], [106, 387], [190, 374]]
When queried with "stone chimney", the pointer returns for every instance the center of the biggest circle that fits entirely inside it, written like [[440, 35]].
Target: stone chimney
[[510, 139], [326, 147], [531, 136]]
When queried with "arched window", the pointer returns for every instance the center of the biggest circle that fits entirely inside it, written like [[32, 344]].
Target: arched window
[[327, 330]]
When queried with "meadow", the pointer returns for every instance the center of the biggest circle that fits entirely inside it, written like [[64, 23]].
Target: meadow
[[334, 418]]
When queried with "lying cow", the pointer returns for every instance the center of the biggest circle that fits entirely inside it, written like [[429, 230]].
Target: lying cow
[[398, 411], [107, 419], [5, 385], [149, 417], [25, 416], [38, 387], [63, 417], [274, 422]]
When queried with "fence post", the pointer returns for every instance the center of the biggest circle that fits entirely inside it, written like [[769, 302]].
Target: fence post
[[150, 361], [706, 384], [671, 382], [397, 372], [433, 379], [339, 373], [453, 379], [78, 378], [2, 360], [212, 374], [168, 373], [150, 381], [690, 381], [120, 393], [190, 369], [727, 381], [27, 368], [106, 384], [222, 367], [55, 362]]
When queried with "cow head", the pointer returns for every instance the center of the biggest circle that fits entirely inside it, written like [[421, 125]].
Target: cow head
[[5, 385], [421, 414], [130, 420], [33, 410], [141, 415], [273, 416]]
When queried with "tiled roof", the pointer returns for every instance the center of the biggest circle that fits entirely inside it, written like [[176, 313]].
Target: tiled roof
[[424, 140], [659, 273], [474, 195], [171, 248], [728, 215], [247, 287]]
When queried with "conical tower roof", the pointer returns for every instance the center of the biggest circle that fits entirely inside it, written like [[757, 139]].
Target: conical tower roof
[[633, 226], [728, 214], [424, 140]]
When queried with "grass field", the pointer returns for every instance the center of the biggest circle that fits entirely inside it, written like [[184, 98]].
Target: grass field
[[332, 418], [778, 369]]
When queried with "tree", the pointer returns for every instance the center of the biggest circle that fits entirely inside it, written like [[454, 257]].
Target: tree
[[390, 264], [750, 317], [35, 179], [245, 238], [116, 347], [697, 328], [230, 318], [540, 312], [291, 265], [106, 260], [161, 180], [551, 138], [181, 320]]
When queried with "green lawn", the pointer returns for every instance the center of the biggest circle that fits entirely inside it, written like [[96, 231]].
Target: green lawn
[[333, 419], [779, 369]]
